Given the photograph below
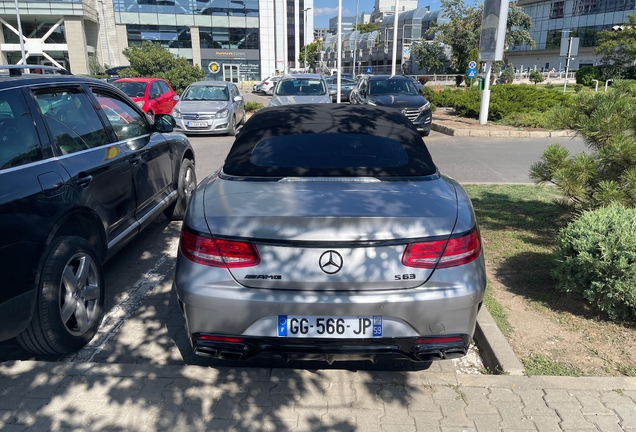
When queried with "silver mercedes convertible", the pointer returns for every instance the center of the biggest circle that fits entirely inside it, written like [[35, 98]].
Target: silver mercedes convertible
[[330, 234]]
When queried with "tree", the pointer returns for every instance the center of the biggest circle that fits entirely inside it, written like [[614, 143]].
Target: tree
[[461, 35], [313, 49], [94, 67], [153, 60], [509, 73], [618, 46], [535, 77], [366, 27], [606, 174]]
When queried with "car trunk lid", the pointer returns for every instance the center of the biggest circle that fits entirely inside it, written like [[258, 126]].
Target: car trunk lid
[[331, 235]]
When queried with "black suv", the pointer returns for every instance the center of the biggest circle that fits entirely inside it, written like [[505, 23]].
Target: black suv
[[395, 91], [82, 171]]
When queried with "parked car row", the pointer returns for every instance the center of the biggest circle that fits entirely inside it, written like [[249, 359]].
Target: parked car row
[[314, 201]]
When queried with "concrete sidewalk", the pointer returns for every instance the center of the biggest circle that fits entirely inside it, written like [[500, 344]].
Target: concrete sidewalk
[[42, 396]]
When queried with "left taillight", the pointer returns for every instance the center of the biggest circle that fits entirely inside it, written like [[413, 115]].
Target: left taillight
[[443, 254], [216, 252]]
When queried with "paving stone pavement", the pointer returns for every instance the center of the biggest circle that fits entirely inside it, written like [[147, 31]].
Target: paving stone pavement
[[83, 396]]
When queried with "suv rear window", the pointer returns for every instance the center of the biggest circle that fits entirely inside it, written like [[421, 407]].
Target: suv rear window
[[328, 151]]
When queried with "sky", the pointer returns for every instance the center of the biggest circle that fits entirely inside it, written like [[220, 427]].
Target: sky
[[325, 9]]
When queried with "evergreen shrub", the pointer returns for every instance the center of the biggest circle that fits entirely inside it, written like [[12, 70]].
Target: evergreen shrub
[[586, 74], [596, 260], [509, 99]]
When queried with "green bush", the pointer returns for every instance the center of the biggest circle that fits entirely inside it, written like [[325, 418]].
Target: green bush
[[509, 73], [253, 106], [535, 77], [551, 119], [549, 86], [509, 99], [586, 74], [596, 260], [578, 87], [445, 98]]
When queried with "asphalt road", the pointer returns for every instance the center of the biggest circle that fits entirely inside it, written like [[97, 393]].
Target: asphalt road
[[466, 159], [143, 323]]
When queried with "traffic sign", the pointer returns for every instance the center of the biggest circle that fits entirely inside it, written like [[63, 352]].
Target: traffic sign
[[407, 50], [369, 69], [472, 73], [472, 65]]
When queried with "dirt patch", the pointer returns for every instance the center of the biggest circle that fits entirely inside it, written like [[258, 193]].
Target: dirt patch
[[566, 331]]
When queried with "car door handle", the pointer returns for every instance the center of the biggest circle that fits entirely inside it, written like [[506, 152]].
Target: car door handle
[[84, 180], [135, 160]]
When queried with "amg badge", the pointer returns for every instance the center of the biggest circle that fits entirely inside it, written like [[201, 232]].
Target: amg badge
[[263, 277]]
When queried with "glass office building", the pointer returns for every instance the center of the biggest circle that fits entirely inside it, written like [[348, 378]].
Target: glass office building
[[557, 20], [229, 39]]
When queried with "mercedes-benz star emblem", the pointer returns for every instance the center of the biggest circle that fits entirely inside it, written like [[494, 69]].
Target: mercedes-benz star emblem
[[330, 262], [196, 116]]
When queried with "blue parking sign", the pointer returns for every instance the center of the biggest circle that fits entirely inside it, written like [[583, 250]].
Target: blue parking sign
[[369, 69], [472, 73]]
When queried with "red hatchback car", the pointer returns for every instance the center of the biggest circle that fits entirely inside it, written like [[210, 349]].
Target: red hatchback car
[[152, 95]]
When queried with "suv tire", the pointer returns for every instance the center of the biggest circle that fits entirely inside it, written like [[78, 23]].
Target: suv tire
[[70, 299], [186, 183]]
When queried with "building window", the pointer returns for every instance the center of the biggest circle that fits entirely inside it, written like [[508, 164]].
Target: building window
[[229, 38], [166, 36], [553, 41], [557, 10]]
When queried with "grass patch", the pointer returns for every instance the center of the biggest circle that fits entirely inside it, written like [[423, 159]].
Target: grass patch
[[253, 106], [537, 364], [498, 313]]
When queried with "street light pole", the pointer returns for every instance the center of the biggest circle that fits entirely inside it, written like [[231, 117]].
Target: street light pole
[[395, 33], [355, 41], [20, 35], [105, 35], [305, 33]]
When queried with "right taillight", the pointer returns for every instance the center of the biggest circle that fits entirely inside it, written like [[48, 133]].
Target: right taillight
[[443, 254], [216, 252]]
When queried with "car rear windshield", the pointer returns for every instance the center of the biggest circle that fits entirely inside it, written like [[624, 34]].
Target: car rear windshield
[[328, 155], [326, 151], [301, 87]]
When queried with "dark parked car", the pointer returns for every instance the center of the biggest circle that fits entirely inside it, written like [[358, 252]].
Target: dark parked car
[[398, 92], [82, 171], [346, 85]]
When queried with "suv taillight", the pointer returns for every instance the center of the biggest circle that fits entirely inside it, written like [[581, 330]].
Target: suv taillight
[[216, 252], [454, 252]]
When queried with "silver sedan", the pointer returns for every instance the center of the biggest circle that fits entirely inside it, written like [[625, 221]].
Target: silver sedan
[[329, 233], [210, 107]]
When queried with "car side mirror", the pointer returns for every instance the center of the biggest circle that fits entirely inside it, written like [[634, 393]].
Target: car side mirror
[[238, 99], [176, 97], [155, 96], [332, 92], [164, 123]]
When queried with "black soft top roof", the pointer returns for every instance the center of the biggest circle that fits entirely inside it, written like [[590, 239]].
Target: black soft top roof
[[336, 123]]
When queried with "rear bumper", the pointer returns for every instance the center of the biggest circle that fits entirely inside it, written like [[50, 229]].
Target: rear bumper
[[447, 304], [415, 349]]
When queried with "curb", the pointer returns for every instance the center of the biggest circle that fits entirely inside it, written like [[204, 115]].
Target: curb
[[496, 133], [494, 349]]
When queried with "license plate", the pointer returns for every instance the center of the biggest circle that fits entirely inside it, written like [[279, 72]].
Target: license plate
[[197, 124], [350, 327]]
